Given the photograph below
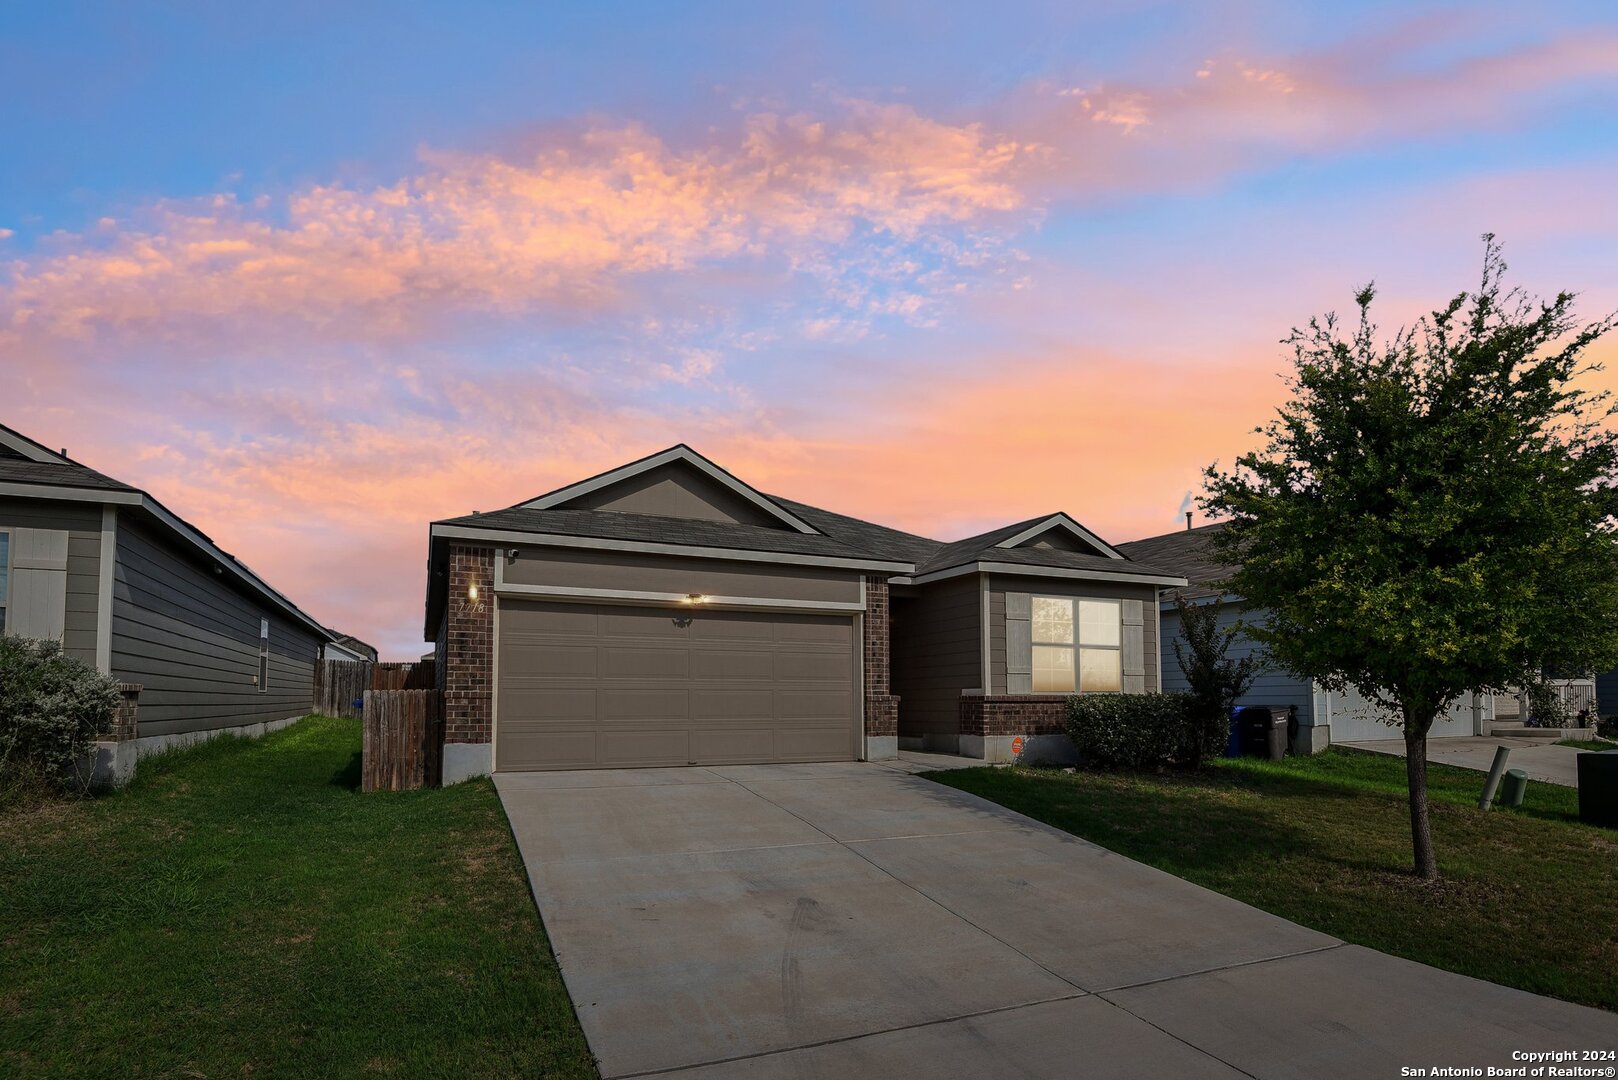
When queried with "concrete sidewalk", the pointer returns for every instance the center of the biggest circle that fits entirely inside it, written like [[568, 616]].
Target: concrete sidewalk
[[849, 919], [1540, 759]]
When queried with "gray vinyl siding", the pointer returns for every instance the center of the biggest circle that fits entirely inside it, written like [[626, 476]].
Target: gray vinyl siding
[[1000, 584], [581, 569], [192, 641], [82, 523], [937, 652], [1273, 688], [1607, 693]]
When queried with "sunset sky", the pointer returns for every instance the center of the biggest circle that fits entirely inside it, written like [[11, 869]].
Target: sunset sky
[[315, 279]]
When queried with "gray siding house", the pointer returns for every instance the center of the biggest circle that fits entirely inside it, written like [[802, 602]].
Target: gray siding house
[[1324, 716], [132, 590], [666, 613]]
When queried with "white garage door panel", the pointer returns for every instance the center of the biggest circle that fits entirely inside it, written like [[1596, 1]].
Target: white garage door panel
[[605, 687], [1354, 719]]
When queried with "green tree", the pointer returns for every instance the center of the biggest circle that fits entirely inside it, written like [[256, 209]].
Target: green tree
[[1216, 680], [1432, 514]]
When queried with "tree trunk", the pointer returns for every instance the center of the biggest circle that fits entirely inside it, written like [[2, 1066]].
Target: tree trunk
[[1421, 826]]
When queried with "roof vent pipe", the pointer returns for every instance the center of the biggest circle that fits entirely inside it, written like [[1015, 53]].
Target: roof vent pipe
[[1188, 521]]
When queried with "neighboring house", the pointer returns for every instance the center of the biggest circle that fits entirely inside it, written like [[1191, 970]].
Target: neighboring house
[[134, 591], [666, 613], [1323, 716], [348, 647]]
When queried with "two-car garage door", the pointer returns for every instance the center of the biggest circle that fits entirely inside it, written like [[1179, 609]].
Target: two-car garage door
[[599, 686]]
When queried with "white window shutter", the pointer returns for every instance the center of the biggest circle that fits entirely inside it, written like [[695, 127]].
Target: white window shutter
[[1133, 648], [37, 605], [1019, 644]]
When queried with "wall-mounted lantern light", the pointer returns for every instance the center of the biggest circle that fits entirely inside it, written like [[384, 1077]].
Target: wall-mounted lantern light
[[472, 592]]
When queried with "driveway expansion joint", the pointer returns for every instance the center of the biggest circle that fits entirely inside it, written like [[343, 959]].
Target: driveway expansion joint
[[675, 1069]]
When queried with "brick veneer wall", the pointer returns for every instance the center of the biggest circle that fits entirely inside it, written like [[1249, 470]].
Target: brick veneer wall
[[469, 647], [1013, 714], [881, 707], [126, 717]]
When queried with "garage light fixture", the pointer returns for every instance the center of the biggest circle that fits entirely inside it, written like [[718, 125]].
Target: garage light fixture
[[471, 592], [695, 598]]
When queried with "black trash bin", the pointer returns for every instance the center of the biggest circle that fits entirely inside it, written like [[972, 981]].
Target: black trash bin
[[1598, 788], [1264, 732]]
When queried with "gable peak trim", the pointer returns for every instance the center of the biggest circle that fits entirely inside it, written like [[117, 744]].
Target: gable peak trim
[[28, 448], [679, 453], [1061, 520]]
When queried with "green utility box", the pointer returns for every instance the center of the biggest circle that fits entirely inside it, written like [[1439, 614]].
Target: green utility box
[[1513, 787]]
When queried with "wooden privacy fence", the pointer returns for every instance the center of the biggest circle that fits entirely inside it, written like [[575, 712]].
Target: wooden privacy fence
[[340, 685], [403, 745]]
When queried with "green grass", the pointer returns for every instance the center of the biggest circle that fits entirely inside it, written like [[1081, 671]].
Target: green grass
[[243, 909], [1588, 744], [1527, 897]]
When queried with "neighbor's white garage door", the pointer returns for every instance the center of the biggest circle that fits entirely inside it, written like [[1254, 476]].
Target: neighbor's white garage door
[[1353, 719]]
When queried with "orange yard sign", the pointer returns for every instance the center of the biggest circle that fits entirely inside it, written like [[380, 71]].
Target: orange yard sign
[[1016, 746]]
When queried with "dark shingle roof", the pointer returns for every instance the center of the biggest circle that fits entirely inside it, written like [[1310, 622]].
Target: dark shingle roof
[[1187, 552], [841, 537], [879, 540], [20, 470], [649, 528]]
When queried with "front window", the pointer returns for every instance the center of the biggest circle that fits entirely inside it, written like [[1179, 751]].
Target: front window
[[1076, 645], [5, 576]]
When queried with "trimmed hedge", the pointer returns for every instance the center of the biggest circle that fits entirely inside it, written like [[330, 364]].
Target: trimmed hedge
[[1141, 731]]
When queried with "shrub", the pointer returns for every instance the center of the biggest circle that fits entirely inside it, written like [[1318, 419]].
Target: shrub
[[1138, 731], [1545, 707], [52, 707], [1216, 679], [1607, 727]]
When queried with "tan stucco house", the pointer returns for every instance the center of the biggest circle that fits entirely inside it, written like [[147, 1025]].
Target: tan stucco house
[[666, 613]]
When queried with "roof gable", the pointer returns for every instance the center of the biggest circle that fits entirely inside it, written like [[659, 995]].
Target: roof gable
[[22, 446], [1061, 533], [676, 483]]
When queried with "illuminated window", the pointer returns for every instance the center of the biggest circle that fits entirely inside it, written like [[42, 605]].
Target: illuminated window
[[1076, 645]]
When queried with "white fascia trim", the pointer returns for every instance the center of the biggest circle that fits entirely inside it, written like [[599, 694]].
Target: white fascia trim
[[511, 536], [1046, 571], [1065, 522], [71, 494], [1168, 604], [30, 449], [676, 453], [681, 600], [231, 566], [108, 563]]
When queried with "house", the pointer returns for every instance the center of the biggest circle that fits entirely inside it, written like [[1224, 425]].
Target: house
[[666, 613], [1323, 716], [348, 647], [131, 589]]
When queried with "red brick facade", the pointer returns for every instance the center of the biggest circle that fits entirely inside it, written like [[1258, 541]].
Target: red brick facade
[[468, 676], [881, 707], [1019, 714]]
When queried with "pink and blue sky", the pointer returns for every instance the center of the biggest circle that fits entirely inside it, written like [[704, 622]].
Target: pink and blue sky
[[316, 277]]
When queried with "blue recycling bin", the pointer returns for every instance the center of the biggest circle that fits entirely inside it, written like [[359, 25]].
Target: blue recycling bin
[[1233, 745]]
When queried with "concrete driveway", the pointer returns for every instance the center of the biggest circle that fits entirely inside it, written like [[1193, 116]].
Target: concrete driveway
[[848, 920], [1541, 759]]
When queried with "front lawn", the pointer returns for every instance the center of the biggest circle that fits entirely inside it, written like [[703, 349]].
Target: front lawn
[[243, 909], [1588, 744], [1526, 900]]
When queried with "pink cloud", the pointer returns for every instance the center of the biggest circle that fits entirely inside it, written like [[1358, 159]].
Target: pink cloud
[[563, 228]]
